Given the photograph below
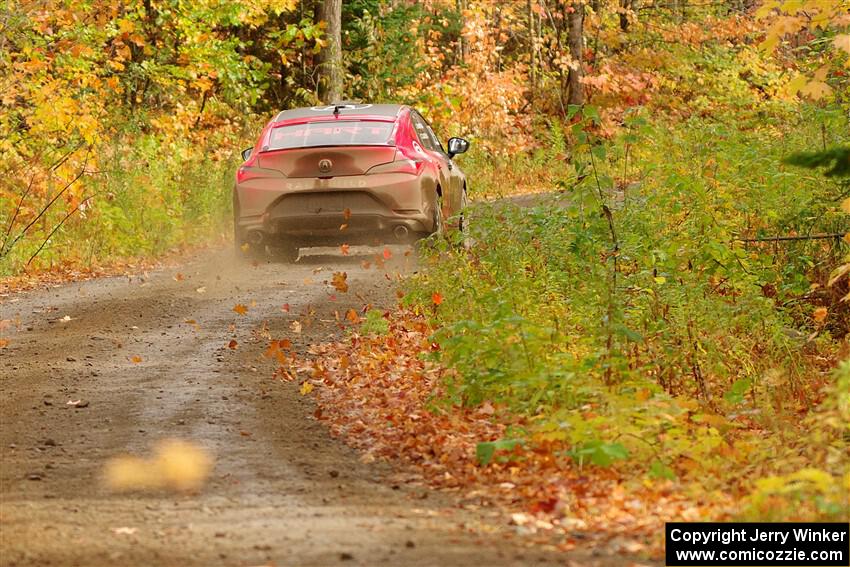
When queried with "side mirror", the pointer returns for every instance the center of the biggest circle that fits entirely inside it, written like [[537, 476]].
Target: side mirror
[[457, 146], [246, 153]]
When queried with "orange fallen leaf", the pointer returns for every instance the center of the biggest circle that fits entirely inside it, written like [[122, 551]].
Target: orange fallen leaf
[[344, 249], [239, 308], [820, 314], [387, 254], [346, 214], [233, 345], [178, 277], [4, 343], [343, 226], [339, 281], [352, 316], [136, 359], [437, 298], [285, 308]]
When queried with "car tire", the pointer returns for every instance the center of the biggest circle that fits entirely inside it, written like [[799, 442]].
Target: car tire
[[238, 238], [463, 223], [438, 227], [284, 252]]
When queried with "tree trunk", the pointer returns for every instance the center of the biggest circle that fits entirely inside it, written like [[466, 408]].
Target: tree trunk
[[532, 52], [330, 57], [576, 41], [625, 6], [462, 48]]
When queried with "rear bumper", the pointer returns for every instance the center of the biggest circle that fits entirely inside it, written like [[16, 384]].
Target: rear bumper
[[363, 209], [331, 229]]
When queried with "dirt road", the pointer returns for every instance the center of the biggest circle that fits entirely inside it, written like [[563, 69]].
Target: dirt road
[[282, 492]]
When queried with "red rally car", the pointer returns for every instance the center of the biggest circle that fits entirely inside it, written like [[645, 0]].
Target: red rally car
[[346, 173]]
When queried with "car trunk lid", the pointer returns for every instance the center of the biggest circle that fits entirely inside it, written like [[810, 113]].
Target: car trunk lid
[[326, 161]]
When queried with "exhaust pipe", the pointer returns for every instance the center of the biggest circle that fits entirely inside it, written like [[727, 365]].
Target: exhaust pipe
[[256, 237], [400, 232]]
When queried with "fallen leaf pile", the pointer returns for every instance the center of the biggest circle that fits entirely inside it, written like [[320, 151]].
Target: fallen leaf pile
[[62, 273], [381, 397]]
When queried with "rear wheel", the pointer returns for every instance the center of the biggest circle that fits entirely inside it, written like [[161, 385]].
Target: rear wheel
[[284, 252], [238, 238], [438, 227], [463, 223]]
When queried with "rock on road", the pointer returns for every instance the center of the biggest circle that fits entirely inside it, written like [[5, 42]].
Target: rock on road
[[282, 492]]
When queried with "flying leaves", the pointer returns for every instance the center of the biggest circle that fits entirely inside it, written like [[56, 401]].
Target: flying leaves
[[240, 309], [339, 282], [175, 465]]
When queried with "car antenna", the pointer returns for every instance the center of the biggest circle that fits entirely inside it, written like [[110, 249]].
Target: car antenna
[[342, 105]]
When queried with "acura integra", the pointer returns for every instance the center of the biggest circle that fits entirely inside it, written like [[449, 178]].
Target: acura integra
[[346, 173]]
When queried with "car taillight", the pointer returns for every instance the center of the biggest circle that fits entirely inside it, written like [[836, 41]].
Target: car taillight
[[245, 173], [404, 165]]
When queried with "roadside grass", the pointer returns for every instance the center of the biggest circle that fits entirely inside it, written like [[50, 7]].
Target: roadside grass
[[135, 197], [636, 332]]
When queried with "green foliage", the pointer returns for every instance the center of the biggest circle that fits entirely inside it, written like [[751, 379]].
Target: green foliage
[[836, 161], [375, 323], [485, 451], [598, 453], [624, 314], [383, 46], [809, 494], [154, 194]]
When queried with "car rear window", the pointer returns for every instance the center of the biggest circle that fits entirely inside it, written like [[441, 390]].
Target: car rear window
[[364, 133]]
